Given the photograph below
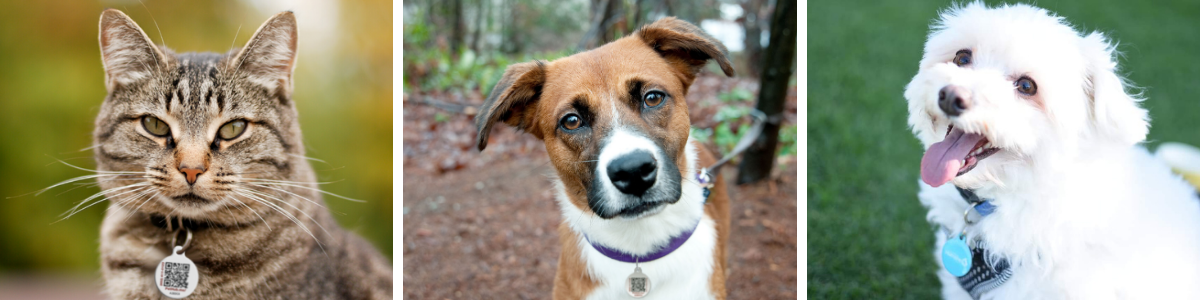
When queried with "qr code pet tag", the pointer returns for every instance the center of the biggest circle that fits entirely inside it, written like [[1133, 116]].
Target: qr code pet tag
[[176, 275], [637, 284]]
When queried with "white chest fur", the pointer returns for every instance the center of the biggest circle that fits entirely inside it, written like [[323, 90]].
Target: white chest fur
[[683, 274], [1116, 226]]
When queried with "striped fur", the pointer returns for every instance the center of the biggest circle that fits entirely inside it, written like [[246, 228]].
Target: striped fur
[[260, 228]]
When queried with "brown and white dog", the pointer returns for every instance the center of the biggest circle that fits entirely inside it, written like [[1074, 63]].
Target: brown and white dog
[[615, 124]]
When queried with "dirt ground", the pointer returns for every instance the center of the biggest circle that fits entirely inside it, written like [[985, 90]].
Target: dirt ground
[[491, 234], [483, 225]]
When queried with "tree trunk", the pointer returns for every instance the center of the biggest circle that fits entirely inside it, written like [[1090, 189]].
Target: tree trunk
[[637, 16], [781, 53], [752, 43], [512, 38], [457, 36], [605, 14], [480, 16]]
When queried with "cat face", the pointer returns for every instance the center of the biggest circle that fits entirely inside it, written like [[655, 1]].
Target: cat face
[[198, 135]]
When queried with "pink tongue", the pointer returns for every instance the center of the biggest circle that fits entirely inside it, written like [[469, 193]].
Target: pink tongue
[[943, 159]]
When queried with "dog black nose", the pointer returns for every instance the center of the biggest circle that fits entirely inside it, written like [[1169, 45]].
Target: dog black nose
[[954, 100], [633, 173]]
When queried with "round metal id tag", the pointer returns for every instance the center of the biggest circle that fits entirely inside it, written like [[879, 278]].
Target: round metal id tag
[[637, 284], [176, 275]]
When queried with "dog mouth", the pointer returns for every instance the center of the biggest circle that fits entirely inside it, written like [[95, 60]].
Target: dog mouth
[[954, 156], [642, 209]]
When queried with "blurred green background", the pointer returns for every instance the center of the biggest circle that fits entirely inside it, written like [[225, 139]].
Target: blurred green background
[[867, 234], [52, 84]]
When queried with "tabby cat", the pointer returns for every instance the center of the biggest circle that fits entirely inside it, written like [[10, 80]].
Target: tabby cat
[[203, 151]]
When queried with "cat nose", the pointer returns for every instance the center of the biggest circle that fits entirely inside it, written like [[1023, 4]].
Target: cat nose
[[191, 173]]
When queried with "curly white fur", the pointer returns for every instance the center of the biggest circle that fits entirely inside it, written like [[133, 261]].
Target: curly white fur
[[1083, 211]]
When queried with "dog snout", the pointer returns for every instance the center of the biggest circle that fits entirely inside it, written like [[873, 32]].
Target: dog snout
[[954, 100], [633, 173]]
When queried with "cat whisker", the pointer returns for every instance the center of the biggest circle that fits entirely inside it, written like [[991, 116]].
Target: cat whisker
[[285, 191], [137, 187], [308, 158], [80, 185], [85, 177], [287, 181], [143, 202], [98, 171], [313, 189], [283, 212], [277, 198], [250, 173], [160, 36], [260, 217], [233, 44], [136, 198], [76, 209]]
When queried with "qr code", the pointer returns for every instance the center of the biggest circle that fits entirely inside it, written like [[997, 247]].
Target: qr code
[[175, 275], [638, 284]]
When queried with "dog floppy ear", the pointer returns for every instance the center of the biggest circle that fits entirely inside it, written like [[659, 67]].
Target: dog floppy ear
[[685, 46], [512, 101], [1115, 113]]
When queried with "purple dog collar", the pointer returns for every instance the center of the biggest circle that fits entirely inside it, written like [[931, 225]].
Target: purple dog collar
[[618, 255]]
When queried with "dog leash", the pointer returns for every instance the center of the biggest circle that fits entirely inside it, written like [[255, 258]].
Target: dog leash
[[705, 178], [970, 265]]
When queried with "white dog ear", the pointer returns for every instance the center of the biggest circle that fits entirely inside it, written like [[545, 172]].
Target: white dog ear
[[1115, 113]]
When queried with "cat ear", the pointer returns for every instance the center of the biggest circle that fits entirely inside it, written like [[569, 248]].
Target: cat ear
[[685, 46], [512, 101], [270, 55], [127, 53]]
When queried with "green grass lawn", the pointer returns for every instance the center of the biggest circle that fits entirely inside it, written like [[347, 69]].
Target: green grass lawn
[[867, 235]]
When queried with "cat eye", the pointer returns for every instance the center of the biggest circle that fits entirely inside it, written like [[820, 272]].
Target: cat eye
[[232, 130], [155, 126], [1026, 86], [654, 98], [962, 58], [571, 122]]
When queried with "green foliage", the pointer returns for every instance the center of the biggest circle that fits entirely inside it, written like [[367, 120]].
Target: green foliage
[[731, 113], [538, 24], [736, 95], [867, 233], [701, 134], [787, 140], [726, 139], [467, 71]]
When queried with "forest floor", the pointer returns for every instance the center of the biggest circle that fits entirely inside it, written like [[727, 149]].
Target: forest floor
[[483, 225]]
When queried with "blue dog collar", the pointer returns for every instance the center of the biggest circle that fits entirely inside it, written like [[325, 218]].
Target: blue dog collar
[[983, 206], [978, 273]]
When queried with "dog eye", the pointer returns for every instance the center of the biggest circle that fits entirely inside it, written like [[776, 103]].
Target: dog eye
[[962, 58], [571, 122], [1026, 86], [653, 99], [155, 126]]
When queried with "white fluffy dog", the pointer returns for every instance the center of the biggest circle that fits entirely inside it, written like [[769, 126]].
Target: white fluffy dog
[[1027, 117]]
